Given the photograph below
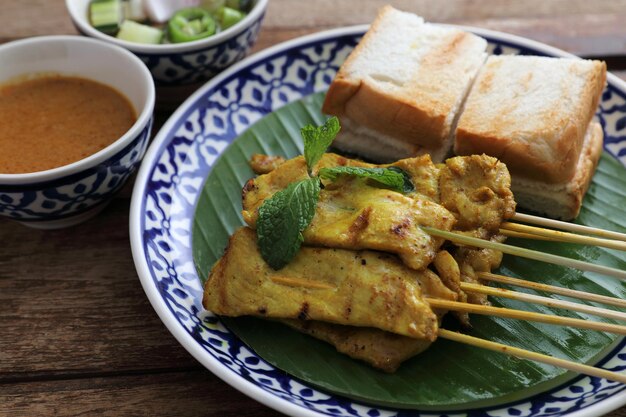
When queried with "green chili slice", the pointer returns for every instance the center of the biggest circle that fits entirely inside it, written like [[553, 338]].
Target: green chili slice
[[190, 24]]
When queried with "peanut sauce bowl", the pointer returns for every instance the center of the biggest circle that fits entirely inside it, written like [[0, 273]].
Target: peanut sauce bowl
[[70, 194]]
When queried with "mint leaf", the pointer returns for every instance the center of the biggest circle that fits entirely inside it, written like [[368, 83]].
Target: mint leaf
[[317, 139], [393, 178], [282, 219]]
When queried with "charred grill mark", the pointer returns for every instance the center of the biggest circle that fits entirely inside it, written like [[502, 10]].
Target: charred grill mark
[[484, 194], [304, 312], [248, 187], [401, 229], [360, 223], [348, 308]]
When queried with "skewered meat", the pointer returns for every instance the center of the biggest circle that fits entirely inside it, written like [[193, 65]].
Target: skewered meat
[[477, 189], [472, 260], [383, 350], [351, 214], [263, 164], [369, 305], [363, 288]]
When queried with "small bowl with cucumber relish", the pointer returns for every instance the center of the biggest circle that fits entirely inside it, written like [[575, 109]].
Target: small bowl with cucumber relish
[[183, 42]]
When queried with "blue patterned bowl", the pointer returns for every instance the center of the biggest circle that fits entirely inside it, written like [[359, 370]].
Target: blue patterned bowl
[[169, 186], [67, 195], [183, 63]]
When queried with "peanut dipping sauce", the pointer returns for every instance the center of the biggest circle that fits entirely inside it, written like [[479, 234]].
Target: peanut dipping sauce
[[52, 120]]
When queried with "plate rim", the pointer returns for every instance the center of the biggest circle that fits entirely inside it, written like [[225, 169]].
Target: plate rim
[[248, 388]]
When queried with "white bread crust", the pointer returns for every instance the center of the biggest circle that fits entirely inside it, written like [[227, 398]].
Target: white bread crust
[[563, 200], [381, 148]]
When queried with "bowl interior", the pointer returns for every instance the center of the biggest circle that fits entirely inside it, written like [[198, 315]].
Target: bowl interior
[[78, 10], [86, 58], [81, 57]]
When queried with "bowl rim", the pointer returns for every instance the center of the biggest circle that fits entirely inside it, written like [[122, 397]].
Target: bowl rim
[[143, 118], [83, 25]]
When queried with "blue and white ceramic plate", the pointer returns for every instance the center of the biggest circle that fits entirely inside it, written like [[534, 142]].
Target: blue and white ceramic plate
[[169, 184]]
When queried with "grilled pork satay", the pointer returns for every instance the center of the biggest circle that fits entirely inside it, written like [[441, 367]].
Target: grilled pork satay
[[367, 313], [423, 173], [448, 270], [365, 288], [424, 176], [477, 190], [263, 164], [382, 350], [351, 214], [472, 260], [256, 190]]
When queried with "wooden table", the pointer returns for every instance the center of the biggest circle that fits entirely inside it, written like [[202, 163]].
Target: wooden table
[[77, 334]]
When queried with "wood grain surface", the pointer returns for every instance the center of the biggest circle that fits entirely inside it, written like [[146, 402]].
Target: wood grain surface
[[77, 334]]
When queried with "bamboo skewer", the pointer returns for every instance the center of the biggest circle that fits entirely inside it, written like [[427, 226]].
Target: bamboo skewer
[[305, 283], [534, 356], [556, 224], [525, 253], [511, 233], [516, 314], [525, 315], [562, 236], [546, 301], [614, 301]]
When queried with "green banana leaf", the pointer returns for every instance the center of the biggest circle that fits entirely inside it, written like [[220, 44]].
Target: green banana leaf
[[449, 375]]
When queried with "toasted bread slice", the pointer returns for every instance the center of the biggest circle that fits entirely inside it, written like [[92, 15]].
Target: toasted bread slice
[[563, 200], [406, 79], [531, 113], [383, 148]]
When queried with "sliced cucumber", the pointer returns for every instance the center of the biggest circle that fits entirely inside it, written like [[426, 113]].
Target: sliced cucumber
[[134, 10], [136, 32], [106, 15]]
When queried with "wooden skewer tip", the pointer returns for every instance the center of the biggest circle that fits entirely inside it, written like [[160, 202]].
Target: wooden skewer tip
[[534, 356]]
